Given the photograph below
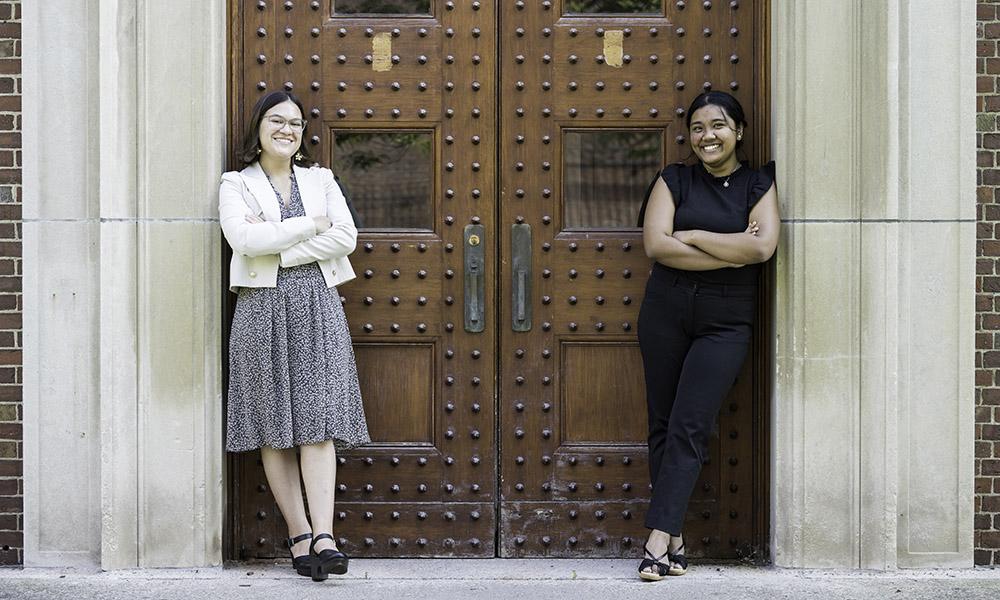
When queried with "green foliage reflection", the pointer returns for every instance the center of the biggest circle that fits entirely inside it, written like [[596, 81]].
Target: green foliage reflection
[[382, 7], [614, 6], [605, 175], [390, 176]]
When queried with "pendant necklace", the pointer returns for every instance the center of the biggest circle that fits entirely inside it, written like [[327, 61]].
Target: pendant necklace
[[725, 183]]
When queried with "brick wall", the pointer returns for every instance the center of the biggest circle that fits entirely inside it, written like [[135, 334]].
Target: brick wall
[[987, 520], [11, 446]]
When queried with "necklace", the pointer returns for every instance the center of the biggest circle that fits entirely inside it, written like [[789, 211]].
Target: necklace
[[725, 183]]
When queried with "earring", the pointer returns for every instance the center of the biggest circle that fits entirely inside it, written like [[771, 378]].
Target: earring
[[298, 156], [739, 136], [258, 149]]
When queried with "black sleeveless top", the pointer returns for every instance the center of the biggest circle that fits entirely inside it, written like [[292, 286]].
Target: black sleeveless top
[[702, 201]]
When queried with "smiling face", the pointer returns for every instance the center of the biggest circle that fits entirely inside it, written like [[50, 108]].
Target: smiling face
[[714, 135], [281, 131]]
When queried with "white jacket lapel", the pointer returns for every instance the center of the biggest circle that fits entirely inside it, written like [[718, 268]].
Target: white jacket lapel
[[260, 188], [313, 198]]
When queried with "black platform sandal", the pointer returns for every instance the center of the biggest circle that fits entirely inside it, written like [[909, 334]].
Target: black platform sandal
[[678, 562], [661, 569], [301, 564], [327, 561]]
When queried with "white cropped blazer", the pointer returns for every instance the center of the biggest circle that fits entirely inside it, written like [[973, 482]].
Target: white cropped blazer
[[260, 248]]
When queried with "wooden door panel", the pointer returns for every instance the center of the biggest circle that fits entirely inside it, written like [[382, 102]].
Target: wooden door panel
[[574, 475], [523, 83], [601, 393], [399, 403], [426, 485]]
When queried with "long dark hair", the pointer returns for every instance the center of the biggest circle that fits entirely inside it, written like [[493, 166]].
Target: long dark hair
[[730, 106], [250, 149]]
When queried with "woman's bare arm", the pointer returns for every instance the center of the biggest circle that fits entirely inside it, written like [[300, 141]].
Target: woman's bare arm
[[660, 244], [746, 247]]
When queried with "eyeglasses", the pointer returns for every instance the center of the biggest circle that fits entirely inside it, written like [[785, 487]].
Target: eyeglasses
[[278, 122]]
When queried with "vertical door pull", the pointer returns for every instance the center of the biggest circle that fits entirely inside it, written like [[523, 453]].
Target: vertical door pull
[[520, 244], [475, 280]]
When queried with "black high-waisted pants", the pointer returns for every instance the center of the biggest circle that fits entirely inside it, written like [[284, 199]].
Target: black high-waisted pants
[[694, 338]]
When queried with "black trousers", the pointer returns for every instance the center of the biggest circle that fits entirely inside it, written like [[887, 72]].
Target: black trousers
[[694, 338]]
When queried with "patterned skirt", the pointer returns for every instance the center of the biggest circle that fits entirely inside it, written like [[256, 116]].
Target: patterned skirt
[[292, 376]]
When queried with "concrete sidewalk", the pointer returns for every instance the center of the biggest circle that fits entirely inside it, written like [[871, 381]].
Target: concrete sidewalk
[[498, 578]]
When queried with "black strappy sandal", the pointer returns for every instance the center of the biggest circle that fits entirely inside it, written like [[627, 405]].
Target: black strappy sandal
[[301, 564], [327, 561], [661, 569], [678, 562]]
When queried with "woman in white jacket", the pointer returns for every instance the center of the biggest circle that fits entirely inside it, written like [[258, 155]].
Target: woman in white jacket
[[293, 383]]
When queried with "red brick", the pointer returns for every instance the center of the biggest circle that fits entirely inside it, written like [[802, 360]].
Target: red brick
[[11, 504], [983, 449], [10, 103], [984, 341], [991, 212], [984, 377], [12, 66], [989, 539], [11, 431], [7, 339], [14, 539], [11, 393], [984, 158], [984, 485], [13, 357], [10, 467], [985, 12], [13, 284], [8, 523], [13, 140], [9, 487], [10, 321], [991, 468], [8, 301], [990, 284], [13, 30], [984, 302], [985, 84], [10, 176]]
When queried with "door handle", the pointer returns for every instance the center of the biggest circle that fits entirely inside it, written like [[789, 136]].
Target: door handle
[[520, 244], [475, 281]]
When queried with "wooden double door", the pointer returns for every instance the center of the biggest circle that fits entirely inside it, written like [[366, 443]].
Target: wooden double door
[[496, 152]]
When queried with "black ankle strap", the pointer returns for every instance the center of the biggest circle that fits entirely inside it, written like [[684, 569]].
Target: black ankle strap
[[322, 536], [299, 538]]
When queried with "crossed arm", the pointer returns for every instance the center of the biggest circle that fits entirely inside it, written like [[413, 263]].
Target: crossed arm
[[697, 250], [298, 240]]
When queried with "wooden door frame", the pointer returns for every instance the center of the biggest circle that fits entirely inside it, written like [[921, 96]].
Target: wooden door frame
[[763, 339]]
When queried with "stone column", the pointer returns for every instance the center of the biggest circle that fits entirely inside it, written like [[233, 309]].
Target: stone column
[[125, 122], [873, 117]]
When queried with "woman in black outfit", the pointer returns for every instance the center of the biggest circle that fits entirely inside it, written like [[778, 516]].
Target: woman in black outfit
[[709, 226]]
